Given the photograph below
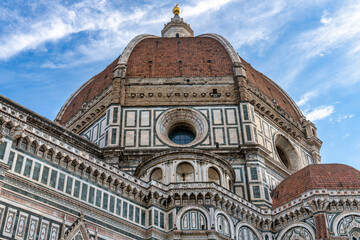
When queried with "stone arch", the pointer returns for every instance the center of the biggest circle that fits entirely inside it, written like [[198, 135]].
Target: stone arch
[[226, 44], [297, 225], [33, 146], [50, 154], [246, 225], [189, 208], [41, 151], [8, 127], [124, 57], [286, 152], [351, 218], [231, 223]]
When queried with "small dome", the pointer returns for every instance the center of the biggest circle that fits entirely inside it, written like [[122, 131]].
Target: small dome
[[315, 176]]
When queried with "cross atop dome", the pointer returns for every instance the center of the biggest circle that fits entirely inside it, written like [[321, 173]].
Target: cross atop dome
[[177, 27]]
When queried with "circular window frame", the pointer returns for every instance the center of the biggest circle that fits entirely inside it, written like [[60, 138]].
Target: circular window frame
[[181, 116]]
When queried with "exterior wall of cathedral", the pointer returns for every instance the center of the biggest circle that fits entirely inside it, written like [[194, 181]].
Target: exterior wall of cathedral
[[50, 178]]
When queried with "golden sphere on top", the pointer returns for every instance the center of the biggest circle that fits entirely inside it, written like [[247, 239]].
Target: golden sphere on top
[[176, 9]]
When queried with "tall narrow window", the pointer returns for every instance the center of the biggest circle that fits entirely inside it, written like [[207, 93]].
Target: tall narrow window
[[115, 114], [61, 182], [105, 201], [69, 184], [77, 188], [36, 173], [84, 191], [19, 163], [28, 166], [53, 178], [2, 150], [11, 160]]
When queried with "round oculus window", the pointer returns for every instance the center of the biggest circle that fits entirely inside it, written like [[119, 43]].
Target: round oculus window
[[181, 127], [181, 135]]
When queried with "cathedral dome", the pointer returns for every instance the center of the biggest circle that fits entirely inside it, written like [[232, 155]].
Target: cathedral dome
[[316, 176], [148, 56]]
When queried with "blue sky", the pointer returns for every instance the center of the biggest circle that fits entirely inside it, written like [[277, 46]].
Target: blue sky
[[309, 47]]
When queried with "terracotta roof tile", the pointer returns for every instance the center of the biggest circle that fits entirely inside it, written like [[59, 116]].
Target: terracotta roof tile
[[96, 85], [265, 85], [316, 176]]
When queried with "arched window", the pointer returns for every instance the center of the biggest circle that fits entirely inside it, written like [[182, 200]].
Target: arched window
[[286, 153], [156, 175], [245, 233], [193, 220], [282, 155], [185, 173], [213, 175], [223, 225]]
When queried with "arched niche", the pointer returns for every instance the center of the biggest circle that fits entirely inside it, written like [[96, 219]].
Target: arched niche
[[286, 152], [156, 174], [185, 172], [214, 175]]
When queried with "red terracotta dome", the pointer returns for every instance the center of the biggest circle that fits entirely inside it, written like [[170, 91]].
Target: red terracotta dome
[[208, 55], [86, 93], [315, 176], [179, 57], [272, 90]]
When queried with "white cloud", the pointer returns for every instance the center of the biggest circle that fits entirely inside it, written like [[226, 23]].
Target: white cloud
[[202, 7], [107, 27], [307, 96], [339, 29], [320, 112], [60, 22], [325, 19], [346, 116]]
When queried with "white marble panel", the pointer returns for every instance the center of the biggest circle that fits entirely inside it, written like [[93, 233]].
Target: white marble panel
[[145, 118], [219, 135], [230, 116], [233, 136], [144, 138], [217, 116], [129, 138], [130, 118]]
